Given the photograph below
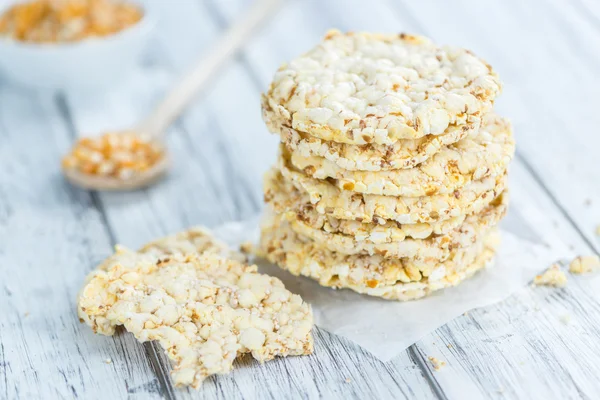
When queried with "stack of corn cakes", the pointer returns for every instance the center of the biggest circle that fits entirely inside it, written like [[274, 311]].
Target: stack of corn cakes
[[392, 169]]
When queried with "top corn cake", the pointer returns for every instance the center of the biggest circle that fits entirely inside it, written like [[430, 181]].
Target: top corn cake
[[361, 88]]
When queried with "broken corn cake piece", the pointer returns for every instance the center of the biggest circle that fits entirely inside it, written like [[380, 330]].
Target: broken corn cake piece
[[203, 307]]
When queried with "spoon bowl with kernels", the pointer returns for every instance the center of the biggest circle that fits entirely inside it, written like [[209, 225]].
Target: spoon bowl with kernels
[[115, 161], [137, 158]]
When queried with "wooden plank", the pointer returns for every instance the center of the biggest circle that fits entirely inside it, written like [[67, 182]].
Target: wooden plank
[[51, 236], [217, 178]]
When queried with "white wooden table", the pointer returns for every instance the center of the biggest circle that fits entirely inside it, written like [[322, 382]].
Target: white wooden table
[[541, 343]]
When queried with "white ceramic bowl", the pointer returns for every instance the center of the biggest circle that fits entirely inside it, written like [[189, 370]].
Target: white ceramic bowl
[[89, 63]]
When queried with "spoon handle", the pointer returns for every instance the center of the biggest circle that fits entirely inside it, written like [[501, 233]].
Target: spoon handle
[[174, 103]]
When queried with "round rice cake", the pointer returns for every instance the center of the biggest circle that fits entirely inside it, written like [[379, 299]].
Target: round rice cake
[[436, 247], [342, 204], [486, 154], [394, 279], [402, 154], [361, 88], [285, 198]]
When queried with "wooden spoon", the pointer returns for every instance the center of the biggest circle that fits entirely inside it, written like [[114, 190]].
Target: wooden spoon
[[154, 127]]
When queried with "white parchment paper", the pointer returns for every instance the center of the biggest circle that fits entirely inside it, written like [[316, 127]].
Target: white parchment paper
[[386, 328]]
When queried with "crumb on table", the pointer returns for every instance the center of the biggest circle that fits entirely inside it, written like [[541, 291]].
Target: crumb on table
[[553, 276], [584, 264], [437, 364]]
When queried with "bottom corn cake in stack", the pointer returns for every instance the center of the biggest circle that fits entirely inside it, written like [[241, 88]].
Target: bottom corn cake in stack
[[391, 176]]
